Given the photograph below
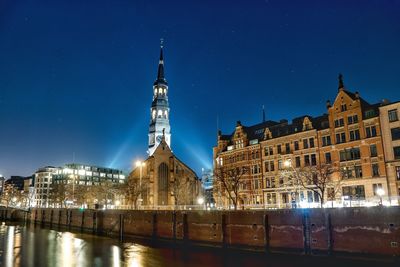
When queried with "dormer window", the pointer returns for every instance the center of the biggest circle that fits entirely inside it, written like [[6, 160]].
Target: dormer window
[[267, 134], [307, 125]]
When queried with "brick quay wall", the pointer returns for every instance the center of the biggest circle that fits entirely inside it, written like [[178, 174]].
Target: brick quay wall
[[369, 231]]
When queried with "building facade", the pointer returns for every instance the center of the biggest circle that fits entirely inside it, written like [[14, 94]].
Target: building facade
[[348, 138], [42, 189], [390, 126], [168, 182], [72, 174]]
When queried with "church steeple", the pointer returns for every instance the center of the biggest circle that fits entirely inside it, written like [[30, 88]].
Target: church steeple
[[160, 72], [159, 128]]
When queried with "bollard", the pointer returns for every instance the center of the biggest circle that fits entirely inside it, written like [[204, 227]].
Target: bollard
[[329, 233], [185, 228], [266, 232], [121, 227], [174, 225], [306, 232], [223, 229]]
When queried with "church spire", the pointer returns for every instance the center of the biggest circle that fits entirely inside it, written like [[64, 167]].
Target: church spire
[[160, 73]]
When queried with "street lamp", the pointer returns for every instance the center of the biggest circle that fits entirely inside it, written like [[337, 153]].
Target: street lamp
[[140, 164], [380, 193], [287, 163]]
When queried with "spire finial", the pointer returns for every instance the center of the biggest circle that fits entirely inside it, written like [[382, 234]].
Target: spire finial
[[341, 84], [160, 73]]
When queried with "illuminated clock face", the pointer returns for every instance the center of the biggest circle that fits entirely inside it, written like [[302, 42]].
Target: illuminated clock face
[[159, 138]]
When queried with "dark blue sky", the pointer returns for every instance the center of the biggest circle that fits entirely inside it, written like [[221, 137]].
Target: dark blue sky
[[76, 76]]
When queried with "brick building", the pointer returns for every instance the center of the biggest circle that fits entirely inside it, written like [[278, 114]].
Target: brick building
[[348, 137]]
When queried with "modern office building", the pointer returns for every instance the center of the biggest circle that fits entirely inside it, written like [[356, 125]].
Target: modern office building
[[72, 174]]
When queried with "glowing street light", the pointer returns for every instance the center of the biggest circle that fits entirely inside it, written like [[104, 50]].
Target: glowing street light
[[287, 163], [200, 200], [140, 164]]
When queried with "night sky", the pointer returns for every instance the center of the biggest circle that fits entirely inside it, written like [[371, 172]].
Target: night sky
[[76, 76]]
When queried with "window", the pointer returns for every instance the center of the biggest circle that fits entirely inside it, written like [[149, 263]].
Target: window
[[395, 133], [343, 107], [370, 131], [280, 165], [373, 150], [369, 113], [352, 119], [353, 192], [279, 148], [287, 148], [398, 173], [392, 114], [375, 169], [328, 158], [396, 151], [296, 145], [307, 160], [340, 138], [354, 135], [269, 166], [349, 154], [358, 171], [297, 159], [271, 198], [313, 159], [339, 122], [305, 143], [266, 151], [311, 142], [326, 140], [375, 188]]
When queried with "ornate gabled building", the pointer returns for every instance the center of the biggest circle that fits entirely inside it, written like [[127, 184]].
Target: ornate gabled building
[[348, 137], [167, 181]]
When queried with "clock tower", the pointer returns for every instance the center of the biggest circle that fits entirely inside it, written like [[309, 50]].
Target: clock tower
[[159, 113]]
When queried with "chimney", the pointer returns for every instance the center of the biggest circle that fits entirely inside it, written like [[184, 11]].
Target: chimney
[[328, 104]]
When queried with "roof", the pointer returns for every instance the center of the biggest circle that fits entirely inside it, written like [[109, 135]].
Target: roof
[[281, 128]]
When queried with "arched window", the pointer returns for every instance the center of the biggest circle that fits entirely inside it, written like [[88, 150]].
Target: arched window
[[166, 114], [163, 178], [159, 114], [153, 114]]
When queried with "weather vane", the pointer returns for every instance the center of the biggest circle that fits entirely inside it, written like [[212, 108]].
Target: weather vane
[[162, 42]]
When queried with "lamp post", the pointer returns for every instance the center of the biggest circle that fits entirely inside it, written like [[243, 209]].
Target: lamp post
[[140, 164], [380, 193]]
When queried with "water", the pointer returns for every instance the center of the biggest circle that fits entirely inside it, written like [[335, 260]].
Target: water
[[35, 246]]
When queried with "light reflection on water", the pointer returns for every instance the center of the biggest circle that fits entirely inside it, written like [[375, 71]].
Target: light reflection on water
[[35, 246]]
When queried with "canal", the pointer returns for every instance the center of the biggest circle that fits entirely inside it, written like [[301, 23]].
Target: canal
[[35, 246]]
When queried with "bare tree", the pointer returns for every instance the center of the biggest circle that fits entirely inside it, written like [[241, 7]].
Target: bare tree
[[229, 180], [317, 179], [183, 189], [134, 188], [60, 194]]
